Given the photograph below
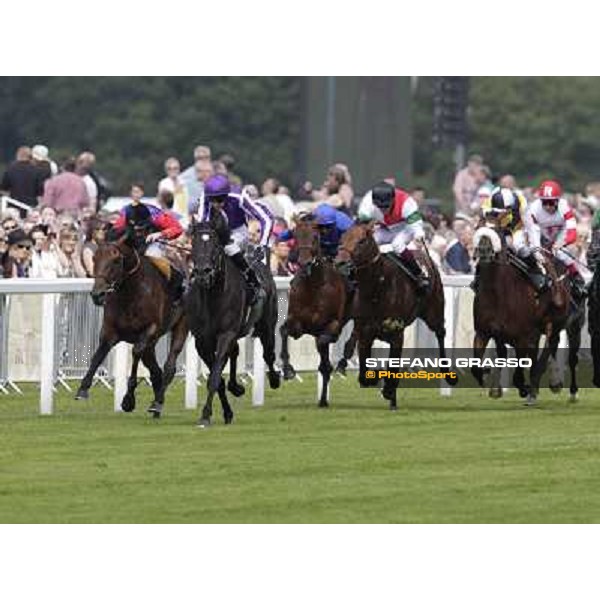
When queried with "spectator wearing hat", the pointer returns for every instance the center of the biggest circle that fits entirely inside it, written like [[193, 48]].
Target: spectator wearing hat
[[280, 257], [22, 180], [66, 191], [19, 250]]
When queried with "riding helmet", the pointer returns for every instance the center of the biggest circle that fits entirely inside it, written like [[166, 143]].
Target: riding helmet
[[216, 186], [139, 214], [383, 195], [550, 190], [503, 198], [325, 215]]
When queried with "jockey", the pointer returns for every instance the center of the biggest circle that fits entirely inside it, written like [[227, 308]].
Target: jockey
[[508, 208], [332, 225], [145, 225], [238, 209], [399, 222], [551, 224]]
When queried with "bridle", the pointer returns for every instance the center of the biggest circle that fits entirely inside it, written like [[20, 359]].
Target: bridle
[[117, 283]]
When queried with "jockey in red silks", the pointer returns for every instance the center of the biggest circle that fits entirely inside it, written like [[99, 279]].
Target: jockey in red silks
[[146, 225], [550, 224]]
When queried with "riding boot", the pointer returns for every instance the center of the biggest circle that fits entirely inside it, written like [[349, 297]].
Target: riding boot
[[413, 266], [578, 288], [176, 284], [252, 283]]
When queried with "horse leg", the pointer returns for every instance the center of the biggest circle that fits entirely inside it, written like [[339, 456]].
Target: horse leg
[[325, 367], [215, 378], [227, 410], [390, 385], [236, 388], [479, 345], [128, 402], [349, 347], [574, 336], [440, 335], [99, 356], [496, 385], [266, 334], [156, 377], [595, 343], [288, 370], [365, 343], [178, 338]]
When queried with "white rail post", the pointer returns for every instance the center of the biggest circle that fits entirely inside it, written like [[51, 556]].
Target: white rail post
[[258, 375], [121, 355], [47, 358], [191, 373], [449, 297]]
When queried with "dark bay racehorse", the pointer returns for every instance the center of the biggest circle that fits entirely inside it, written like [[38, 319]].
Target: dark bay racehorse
[[508, 310], [387, 301], [319, 304], [216, 311], [138, 309]]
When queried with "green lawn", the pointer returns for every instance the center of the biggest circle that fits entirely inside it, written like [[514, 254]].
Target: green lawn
[[465, 459]]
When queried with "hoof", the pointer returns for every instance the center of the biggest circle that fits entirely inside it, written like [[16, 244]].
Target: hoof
[[364, 382], [289, 372], [323, 404], [341, 367], [556, 388], [274, 380], [237, 389], [495, 392], [155, 410], [451, 381], [573, 399], [228, 419], [524, 392], [203, 423], [530, 402], [389, 395], [393, 407], [128, 404], [82, 394]]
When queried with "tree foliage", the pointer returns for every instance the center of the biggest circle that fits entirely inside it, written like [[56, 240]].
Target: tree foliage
[[532, 127], [134, 123]]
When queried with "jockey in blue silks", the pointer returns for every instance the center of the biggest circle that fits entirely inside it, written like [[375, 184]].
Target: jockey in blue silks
[[237, 208], [332, 225]]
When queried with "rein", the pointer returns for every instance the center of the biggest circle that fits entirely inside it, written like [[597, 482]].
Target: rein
[[116, 284]]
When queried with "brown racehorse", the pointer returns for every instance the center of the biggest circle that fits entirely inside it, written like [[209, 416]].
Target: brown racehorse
[[387, 301], [508, 310], [139, 310], [319, 304]]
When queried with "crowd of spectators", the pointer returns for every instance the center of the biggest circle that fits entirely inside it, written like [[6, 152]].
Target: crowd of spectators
[[55, 218]]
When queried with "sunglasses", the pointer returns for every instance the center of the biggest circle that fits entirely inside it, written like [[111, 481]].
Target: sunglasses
[[23, 246], [10, 227], [549, 202]]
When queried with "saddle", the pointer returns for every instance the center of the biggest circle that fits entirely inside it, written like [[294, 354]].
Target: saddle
[[163, 265]]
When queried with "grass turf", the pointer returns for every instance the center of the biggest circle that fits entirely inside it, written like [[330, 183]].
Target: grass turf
[[464, 459]]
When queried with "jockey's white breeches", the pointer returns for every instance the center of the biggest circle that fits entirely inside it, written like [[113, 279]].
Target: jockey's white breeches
[[399, 235], [155, 250], [239, 238]]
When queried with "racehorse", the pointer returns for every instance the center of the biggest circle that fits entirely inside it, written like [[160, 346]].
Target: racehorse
[[216, 312], [319, 304], [593, 258], [387, 301], [508, 310], [138, 309]]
